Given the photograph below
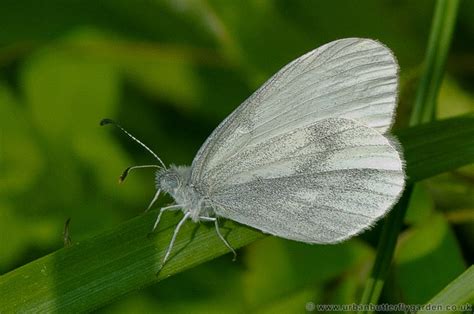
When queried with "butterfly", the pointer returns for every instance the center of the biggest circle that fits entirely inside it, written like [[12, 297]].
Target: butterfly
[[307, 157]]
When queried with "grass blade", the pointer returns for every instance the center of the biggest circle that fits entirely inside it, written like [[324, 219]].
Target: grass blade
[[435, 60], [460, 292]]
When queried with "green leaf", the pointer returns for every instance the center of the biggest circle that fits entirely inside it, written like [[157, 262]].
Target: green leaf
[[109, 265], [424, 155], [459, 292], [424, 250], [100, 269]]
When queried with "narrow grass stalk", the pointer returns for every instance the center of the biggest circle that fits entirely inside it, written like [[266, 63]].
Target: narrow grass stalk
[[423, 111], [459, 293], [388, 240]]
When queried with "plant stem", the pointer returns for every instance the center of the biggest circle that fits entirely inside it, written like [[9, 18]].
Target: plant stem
[[458, 292], [436, 54], [423, 111]]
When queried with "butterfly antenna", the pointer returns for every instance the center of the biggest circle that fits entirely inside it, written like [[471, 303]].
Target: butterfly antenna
[[110, 121]]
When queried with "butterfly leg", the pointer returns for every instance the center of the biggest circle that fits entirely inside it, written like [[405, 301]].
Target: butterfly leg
[[161, 213], [175, 233], [155, 197], [219, 234]]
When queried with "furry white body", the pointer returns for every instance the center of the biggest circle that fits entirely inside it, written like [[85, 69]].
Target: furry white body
[[176, 181]]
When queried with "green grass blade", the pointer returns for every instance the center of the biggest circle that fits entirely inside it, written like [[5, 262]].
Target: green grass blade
[[460, 292], [101, 269], [423, 111], [435, 60], [375, 283], [424, 159]]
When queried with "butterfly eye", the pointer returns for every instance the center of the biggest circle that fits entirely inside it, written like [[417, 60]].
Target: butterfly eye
[[169, 182], [174, 182]]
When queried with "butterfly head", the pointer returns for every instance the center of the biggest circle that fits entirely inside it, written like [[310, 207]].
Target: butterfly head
[[173, 179]]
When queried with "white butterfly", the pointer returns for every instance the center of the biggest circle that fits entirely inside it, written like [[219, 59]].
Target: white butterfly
[[306, 157]]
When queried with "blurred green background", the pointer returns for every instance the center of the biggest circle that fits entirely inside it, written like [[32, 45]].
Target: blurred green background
[[170, 71]]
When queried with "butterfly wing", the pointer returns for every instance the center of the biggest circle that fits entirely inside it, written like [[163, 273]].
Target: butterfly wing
[[354, 79]]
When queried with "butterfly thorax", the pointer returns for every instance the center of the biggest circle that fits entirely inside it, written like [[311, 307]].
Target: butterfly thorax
[[176, 181]]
